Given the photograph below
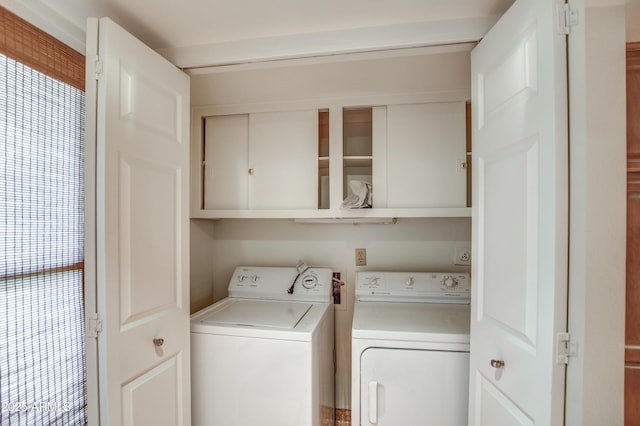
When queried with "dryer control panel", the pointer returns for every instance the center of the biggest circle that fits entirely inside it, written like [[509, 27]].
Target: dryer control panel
[[274, 283], [424, 287]]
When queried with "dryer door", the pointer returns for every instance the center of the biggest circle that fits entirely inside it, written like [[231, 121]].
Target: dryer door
[[413, 387]]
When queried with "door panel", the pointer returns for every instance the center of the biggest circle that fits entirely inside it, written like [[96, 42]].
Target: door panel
[[509, 177], [141, 393], [425, 150], [141, 235], [520, 225], [149, 285], [148, 104], [497, 409], [404, 387], [226, 158], [284, 157], [511, 80]]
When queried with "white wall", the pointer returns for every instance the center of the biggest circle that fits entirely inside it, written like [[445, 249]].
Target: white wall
[[595, 391]]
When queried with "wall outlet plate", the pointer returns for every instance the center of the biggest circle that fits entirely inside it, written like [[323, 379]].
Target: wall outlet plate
[[462, 256], [361, 257]]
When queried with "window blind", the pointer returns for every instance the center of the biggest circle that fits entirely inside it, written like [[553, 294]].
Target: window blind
[[31, 46], [42, 368]]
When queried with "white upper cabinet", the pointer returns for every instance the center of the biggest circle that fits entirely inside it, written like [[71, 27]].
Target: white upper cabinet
[[408, 158], [288, 140], [425, 156], [260, 161]]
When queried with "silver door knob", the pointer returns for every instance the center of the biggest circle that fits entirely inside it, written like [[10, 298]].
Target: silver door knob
[[158, 342], [497, 363]]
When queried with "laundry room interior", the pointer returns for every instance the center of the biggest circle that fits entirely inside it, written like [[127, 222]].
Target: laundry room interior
[[409, 245], [226, 142], [424, 244]]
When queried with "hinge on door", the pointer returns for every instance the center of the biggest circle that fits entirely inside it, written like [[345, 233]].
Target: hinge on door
[[95, 326], [567, 18], [99, 66], [565, 348]]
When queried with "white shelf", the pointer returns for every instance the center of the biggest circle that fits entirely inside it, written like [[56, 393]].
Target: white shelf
[[435, 212]]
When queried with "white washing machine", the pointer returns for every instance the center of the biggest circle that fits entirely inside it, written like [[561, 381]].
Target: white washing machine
[[410, 349], [264, 356]]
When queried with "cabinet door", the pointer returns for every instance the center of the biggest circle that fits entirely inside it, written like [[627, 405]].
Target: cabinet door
[[225, 153], [283, 156], [426, 146]]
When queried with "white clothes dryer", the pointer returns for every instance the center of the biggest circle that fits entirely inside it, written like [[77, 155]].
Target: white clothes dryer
[[264, 356], [410, 349]]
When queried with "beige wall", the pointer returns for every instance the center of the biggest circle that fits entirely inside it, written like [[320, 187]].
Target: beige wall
[[632, 19], [595, 377], [416, 71]]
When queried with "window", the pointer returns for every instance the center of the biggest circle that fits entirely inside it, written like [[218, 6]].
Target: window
[[42, 367]]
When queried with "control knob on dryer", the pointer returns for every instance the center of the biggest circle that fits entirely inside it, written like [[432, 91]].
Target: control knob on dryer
[[449, 282]]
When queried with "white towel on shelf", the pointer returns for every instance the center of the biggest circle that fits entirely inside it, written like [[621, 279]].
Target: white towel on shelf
[[361, 196]]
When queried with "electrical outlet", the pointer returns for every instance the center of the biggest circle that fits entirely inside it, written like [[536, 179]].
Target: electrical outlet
[[361, 257], [462, 256]]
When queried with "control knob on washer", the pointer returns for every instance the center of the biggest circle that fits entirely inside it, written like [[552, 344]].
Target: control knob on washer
[[309, 281]]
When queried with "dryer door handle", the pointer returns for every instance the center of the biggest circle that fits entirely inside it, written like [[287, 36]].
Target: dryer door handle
[[373, 402]]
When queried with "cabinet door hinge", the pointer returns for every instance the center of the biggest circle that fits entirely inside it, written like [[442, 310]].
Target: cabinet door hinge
[[99, 67], [567, 18], [94, 326], [565, 348]]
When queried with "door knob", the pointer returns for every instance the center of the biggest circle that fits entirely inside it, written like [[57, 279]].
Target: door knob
[[497, 363], [158, 342]]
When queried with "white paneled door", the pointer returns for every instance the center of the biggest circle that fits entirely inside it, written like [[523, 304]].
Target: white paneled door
[[520, 218], [141, 190]]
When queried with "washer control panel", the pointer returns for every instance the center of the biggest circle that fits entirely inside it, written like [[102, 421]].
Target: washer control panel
[[435, 287], [262, 282]]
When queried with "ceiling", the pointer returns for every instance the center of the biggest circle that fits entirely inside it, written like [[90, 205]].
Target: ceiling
[[190, 27]]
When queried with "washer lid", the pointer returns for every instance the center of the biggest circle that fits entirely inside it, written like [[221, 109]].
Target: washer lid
[[258, 313]]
